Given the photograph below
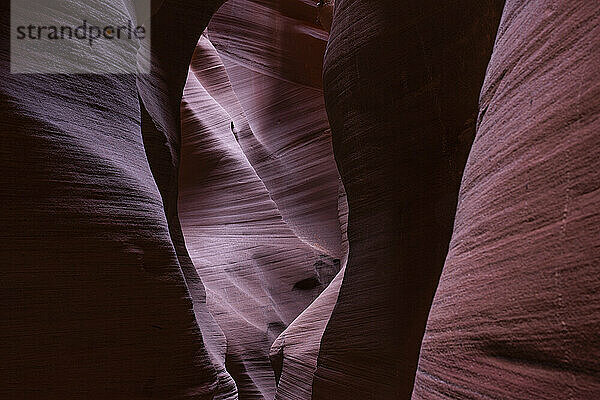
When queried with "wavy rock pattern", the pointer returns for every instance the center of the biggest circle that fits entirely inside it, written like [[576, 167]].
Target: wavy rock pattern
[[298, 346], [274, 55], [259, 188], [98, 284], [186, 234], [517, 311]]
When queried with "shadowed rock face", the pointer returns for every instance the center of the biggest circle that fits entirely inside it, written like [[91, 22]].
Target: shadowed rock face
[[186, 234], [98, 285], [103, 287], [401, 88], [517, 310]]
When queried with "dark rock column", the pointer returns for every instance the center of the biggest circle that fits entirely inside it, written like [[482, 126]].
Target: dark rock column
[[402, 82]]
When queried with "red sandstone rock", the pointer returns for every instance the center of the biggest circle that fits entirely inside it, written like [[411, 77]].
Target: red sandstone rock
[[104, 175], [97, 284], [517, 310], [297, 348]]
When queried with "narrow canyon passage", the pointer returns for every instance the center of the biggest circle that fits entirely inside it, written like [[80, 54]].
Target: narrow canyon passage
[[261, 203], [300, 200], [402, 88]]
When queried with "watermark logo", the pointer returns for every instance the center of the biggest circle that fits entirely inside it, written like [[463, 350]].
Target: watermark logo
[[80, 37]]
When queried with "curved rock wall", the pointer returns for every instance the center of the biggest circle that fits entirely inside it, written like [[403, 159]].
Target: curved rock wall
[[517, 311], [98, 292], [259, 188], [273, 53], [401, 88], [186, 234]]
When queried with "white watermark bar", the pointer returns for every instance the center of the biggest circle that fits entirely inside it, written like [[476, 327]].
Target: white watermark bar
[[80, 37]]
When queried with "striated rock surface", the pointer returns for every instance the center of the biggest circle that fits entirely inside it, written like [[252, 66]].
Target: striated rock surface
[[99, 300], [273, 53], [517, 311], [401, 88], [259, 188], [297, 348], [186, 234], [101, 286]]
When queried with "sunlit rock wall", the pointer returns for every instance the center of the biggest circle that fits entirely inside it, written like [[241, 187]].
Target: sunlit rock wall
[[260, 199], [186, 233]]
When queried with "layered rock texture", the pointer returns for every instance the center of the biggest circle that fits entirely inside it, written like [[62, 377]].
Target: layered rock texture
[[260, 197], [186, 233], [517, 310], [402, 103], [100, 299]]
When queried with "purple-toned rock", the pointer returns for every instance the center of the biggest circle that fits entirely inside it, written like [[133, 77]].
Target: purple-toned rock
[[99, 300], [259, 196]]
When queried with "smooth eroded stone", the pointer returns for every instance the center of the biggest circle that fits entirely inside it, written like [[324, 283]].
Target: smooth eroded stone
[[517, 311], [401, 85], [259, 191], [96, 300]]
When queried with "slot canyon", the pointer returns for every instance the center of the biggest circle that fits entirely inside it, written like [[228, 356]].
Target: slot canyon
[[302, 200]]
